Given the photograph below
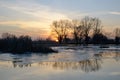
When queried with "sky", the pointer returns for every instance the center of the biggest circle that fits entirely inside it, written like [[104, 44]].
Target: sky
[[34, 17]]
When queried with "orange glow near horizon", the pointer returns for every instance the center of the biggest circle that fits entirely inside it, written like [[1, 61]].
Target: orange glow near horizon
[[56, 40]]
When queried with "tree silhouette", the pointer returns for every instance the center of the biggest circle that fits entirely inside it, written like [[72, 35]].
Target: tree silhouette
[[61, 29], [22, 44], [97, 26], [117, 35], [99, 38], [87, 23], [77, 31]]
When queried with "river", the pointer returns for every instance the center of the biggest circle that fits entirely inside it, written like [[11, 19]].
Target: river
[[70, 63]]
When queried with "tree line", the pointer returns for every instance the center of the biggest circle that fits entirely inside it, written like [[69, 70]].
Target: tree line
[[13, 44], [88, 30]]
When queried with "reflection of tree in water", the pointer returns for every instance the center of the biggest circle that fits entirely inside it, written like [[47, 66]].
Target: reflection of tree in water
[[89, 65], [108, 54], [117, 56], [85, 65], [20, 64]]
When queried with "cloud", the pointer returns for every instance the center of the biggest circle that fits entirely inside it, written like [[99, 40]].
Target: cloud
[[36, 17], [39, 17], [43, 12], [114, 13], [26, 24], [17, 30]]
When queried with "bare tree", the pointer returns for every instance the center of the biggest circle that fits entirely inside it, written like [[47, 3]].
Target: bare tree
[[77, 31], [61, 29], [117, 32], [98, 36], [87, 24], [97, 26], [117, 35], [7, 35]]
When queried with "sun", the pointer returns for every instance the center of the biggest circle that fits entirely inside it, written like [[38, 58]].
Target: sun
[[56, 40]]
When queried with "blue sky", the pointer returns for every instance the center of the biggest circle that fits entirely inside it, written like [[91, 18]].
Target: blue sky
[[33, 17]]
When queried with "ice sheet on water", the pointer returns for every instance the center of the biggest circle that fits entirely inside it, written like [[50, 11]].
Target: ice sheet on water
[[65, 53]]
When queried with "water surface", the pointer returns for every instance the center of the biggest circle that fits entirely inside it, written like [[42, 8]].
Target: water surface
[[71, 63]]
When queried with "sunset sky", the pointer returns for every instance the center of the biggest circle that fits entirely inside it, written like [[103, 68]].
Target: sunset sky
[[34, 17]]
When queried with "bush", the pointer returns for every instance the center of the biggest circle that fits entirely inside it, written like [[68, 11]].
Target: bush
[[10, 43]]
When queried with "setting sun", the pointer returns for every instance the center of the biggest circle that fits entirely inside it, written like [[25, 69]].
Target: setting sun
[[56, 40]]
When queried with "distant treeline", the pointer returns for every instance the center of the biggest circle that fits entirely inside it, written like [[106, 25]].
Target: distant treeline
[[13, 44], [86, 31]]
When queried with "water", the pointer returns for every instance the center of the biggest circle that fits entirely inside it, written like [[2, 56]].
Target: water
[[71, 63]]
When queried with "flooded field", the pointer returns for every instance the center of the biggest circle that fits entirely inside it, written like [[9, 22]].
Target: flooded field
[[70, 63]]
